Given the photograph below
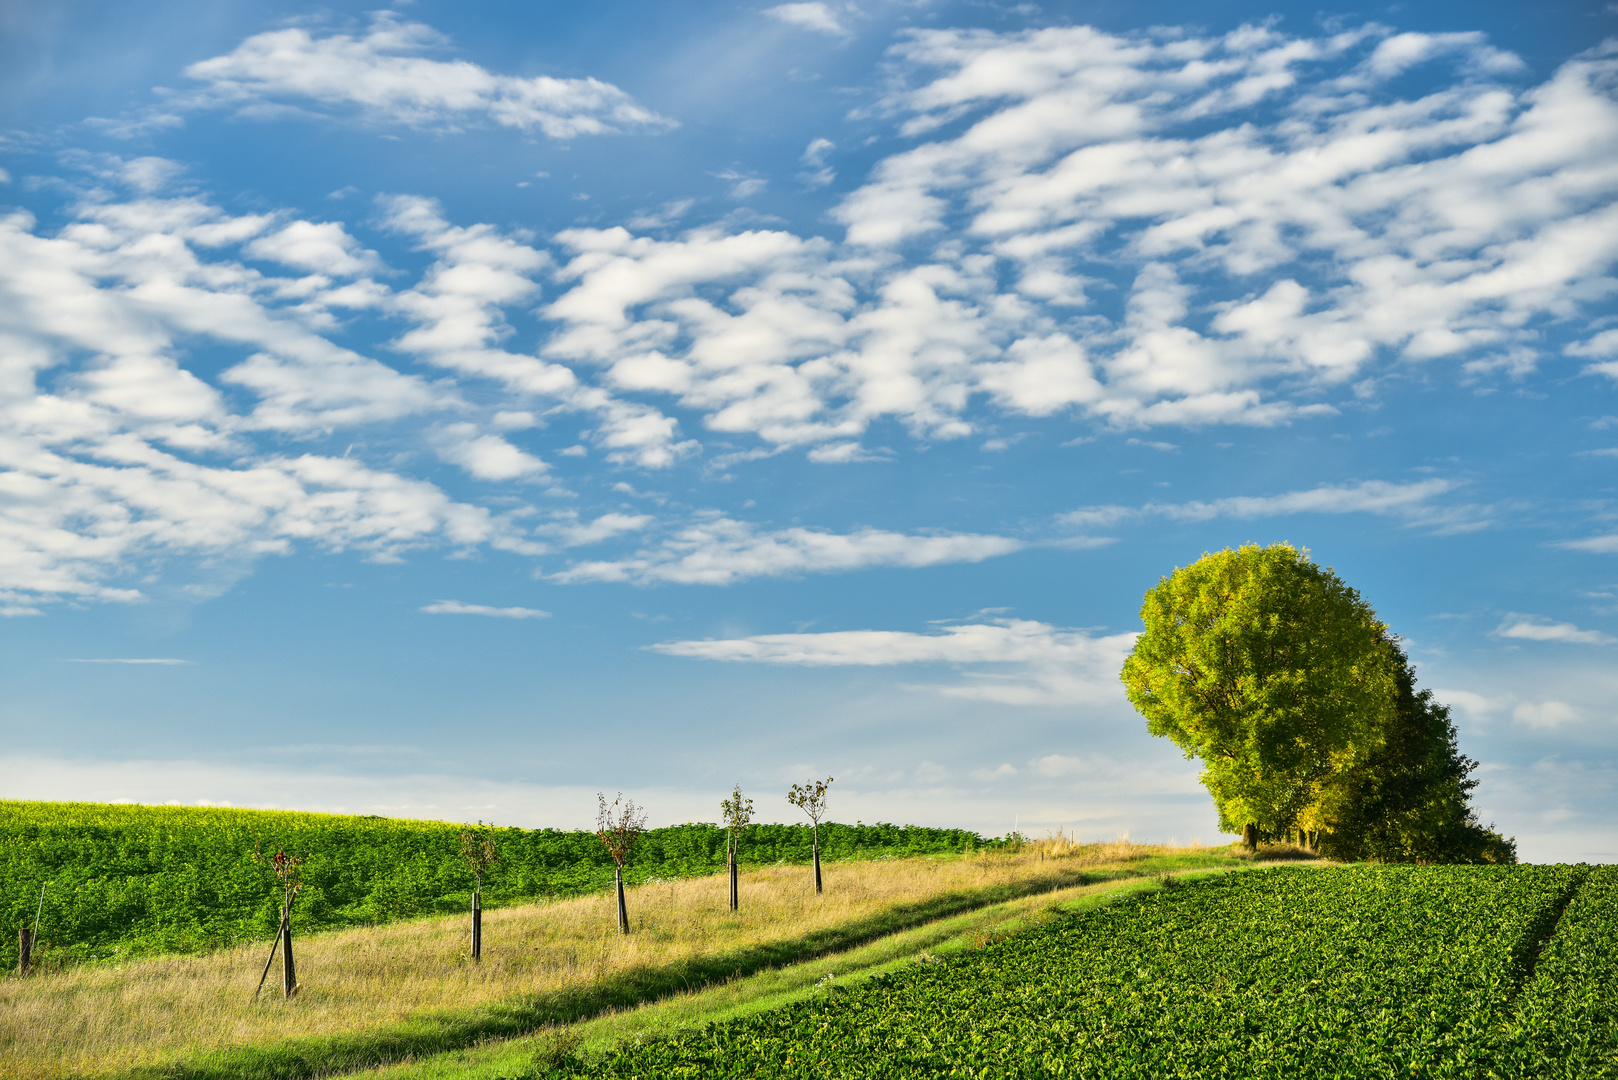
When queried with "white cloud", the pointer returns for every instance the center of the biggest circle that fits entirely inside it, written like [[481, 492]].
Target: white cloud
[[1057, 765], [973, 643], [1595, 545], [1055, 666], [458, 309], [814, 15], [1285, 232], [817, 173], [455, 607], [1076, 154], [1601, 346], [485, 456], [382, 76], [1410, 501], [1477, 706], [570, 531], [1545, 715], [742, 185], [114, 468], [322, 248], [716, 550], [1527, 628], [663, 218]]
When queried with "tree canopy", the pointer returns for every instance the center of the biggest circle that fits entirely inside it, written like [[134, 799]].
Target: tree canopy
[[1270, 670], [1303, 710]]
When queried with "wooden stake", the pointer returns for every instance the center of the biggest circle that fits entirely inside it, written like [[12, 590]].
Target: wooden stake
[[274, 945], [477, 926], [623, 912], [25, 950], [734, 898]]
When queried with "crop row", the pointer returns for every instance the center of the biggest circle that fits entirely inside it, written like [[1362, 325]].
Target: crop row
[[123, 880], [1566, 1022], [1357, 971]]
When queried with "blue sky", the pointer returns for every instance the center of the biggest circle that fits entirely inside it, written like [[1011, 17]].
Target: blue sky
[[454, 409]]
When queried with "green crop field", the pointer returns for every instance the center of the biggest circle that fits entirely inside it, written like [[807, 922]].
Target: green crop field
[[1394, 971], [132, 880]]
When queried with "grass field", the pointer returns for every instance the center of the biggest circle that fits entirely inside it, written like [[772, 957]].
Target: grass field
[[384, 993]]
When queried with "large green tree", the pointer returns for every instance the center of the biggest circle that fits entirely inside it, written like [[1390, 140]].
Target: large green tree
[[1271, 671]]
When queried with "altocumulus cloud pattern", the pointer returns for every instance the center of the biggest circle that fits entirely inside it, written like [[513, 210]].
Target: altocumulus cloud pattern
[[1145, 231]]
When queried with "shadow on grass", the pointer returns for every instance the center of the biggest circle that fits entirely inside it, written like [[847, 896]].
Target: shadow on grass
[[434, 1033]]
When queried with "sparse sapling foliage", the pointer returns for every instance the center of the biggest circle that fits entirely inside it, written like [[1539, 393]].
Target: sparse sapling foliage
[[478, 849], [618, 825], [289, 873], [811, 799], [738, 812]]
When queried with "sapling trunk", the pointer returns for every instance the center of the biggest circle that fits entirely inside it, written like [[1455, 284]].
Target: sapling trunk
[[25, 950], [477, 925], [289, 971], [623, 912], [816, 829], [734, 893]]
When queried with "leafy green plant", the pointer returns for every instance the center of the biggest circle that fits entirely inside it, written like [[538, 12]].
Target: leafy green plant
[[737, 812], [618, 826], [1295, 972], [811, 799]]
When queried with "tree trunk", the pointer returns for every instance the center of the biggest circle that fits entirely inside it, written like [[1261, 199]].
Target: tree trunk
[[734, 897], [25, 950], [477, 925], [1250, 836], [817, 858], [623, 912], [289, 971]]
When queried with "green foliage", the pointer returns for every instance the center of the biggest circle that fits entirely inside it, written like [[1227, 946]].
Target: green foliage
[[619, 825], [128, 880], [1270, 670], [478, 852], [736, 810], [810, 797], [1408, 801], [1360, 971], [1566, 1022]]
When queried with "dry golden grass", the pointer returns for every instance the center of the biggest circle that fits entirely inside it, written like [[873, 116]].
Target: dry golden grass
[[1118, 852], [99, 1019]]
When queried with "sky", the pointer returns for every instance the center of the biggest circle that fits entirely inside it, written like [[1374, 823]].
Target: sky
[[453, 410]]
